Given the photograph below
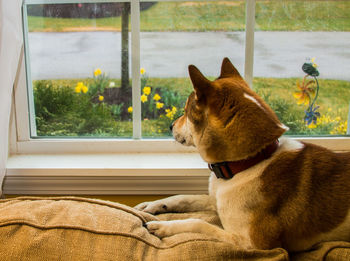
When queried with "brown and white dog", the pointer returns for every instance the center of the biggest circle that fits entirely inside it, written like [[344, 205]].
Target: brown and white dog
[[267, 193]]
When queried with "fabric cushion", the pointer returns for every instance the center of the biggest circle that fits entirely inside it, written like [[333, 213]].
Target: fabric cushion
[[72, 228]]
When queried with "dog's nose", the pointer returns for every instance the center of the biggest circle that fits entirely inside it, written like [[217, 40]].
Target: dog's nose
[[171, 127]]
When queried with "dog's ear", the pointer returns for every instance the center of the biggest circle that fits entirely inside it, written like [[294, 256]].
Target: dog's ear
[[228, 70], [202, 86]]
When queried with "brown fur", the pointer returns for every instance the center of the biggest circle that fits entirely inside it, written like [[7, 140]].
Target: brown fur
[[295, 199], [306, 193], [220, 106]]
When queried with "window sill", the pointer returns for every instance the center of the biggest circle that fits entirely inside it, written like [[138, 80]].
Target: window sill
[[106, 174], [85, 167]]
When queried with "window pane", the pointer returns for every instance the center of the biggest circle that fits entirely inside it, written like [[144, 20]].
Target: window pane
[[175, 35], [287, 34], [76, 54]]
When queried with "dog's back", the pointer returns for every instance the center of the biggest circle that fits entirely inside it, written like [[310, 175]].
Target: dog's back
[[307, 193]]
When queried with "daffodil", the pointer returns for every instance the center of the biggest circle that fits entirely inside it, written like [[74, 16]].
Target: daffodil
[[112, 84], [101, 98], [80, 87], [147, 90], [130, 109], [84, 89], [97, 72], [156, 97], [159, 105], [144, 98], [170, 115], [312, 126], [142, 70], [77, 89]]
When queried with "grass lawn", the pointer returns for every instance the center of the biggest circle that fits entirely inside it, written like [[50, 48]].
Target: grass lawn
[[217, 16], [334, 97]]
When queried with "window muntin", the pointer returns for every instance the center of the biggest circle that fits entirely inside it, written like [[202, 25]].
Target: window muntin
[[259, 26]]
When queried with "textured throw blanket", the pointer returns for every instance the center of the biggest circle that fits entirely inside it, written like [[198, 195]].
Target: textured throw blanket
[[72, 228]]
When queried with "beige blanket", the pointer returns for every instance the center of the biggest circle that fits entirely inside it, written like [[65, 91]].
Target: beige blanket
[[71, 228]]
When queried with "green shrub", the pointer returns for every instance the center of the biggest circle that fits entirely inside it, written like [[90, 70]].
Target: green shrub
[[62, 112]]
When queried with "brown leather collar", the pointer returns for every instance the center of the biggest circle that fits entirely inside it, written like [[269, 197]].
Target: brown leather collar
[[227, 169]]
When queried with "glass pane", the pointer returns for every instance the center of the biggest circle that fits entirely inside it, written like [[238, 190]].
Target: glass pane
[[79, 69], [175, 35], [289, 34]]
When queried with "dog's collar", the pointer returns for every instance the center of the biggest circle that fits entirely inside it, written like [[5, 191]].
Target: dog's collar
[[227, 169]]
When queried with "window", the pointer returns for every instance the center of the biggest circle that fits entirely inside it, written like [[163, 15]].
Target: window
[[79, 62], [125, 145]]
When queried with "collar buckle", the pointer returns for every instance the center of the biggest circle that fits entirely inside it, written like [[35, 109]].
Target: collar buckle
[[221, 170]]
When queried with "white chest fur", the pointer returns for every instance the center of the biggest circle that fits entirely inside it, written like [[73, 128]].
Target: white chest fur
[[236, 198], [239, 197]]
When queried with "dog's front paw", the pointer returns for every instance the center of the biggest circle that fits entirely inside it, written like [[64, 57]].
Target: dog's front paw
[[160, 228], [153, 207]]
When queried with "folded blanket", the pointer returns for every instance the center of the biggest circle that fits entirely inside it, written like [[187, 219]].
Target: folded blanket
[[72, 228]]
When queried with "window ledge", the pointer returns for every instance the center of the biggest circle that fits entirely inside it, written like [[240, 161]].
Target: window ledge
[[106, 174], [49, 168]]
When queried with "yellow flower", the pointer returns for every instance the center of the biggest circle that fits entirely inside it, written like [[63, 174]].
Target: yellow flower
[[170, 115], [147, 90], [156, 97], [159, 105], [142, 70], [97, 72], [312, 126], [80, 87], [130, 109], [101, 98], [143, 98], [84, 89]]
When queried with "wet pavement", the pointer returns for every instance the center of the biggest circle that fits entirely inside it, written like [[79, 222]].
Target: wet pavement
[[167, 54]]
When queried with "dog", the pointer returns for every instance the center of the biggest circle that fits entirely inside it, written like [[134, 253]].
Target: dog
[[268, 191]]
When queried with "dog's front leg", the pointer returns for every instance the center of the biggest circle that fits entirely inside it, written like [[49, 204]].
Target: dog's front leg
[[163, 229], [179, 204]]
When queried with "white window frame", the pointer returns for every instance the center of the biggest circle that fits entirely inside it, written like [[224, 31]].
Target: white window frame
[[113, 166]]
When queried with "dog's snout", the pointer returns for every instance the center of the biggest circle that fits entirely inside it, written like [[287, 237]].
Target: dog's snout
[[171, 127]]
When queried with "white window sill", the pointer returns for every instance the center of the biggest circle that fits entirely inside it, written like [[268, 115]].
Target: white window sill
[[71, 167], [106, 174]]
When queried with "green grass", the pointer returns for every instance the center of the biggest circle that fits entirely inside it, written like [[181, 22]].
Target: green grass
[[333, 94], [217, 16], [95, 120]]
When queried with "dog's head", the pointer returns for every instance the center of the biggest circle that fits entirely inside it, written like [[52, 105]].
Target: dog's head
[[225, 119]]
